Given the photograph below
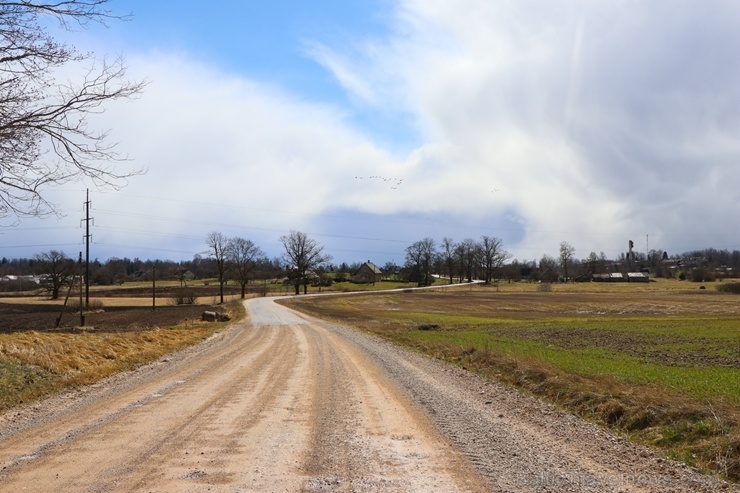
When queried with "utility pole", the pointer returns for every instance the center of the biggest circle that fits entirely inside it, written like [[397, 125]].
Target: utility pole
[[154, 286], [82, 310], [87, 250]]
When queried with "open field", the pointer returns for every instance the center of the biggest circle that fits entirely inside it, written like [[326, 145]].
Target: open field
[[659, 362]]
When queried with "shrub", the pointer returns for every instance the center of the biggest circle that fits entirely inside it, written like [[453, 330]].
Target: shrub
[[183, 296], [94, 305], [544, 287], [729, 287], [428, 327]]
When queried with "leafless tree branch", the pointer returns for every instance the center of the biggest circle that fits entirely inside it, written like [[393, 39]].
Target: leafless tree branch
[[45, 137]]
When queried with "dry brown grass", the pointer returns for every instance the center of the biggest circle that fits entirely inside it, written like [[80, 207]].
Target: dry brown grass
[[35, 364]]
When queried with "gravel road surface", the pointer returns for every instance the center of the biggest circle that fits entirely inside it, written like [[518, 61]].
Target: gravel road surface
[[286, 403]]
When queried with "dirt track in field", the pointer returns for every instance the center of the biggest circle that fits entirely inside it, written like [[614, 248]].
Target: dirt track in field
[[287, 403]]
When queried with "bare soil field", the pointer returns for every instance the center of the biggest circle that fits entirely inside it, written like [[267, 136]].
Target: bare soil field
[[22, 317]]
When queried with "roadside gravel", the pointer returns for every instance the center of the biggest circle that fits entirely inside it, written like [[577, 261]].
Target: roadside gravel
[[521, 444]]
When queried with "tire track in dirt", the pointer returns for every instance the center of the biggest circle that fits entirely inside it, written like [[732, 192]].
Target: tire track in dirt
[[367, 435], [183, 433], [520, 444], [283, 406]]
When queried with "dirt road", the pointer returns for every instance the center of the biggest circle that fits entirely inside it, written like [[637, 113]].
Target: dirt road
[[287, 403]]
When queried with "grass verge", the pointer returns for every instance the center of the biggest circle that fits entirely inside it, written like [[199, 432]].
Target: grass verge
[[37, 364]]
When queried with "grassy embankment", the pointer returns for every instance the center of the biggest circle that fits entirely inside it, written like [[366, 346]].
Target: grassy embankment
[[36, 364], [659, 362]]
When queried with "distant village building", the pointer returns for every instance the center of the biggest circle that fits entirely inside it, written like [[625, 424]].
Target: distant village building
[[619, 277], [638, 277], [12, 278], [368, 273], [613, 277]]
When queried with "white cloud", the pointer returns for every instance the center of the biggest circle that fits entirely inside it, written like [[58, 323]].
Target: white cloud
[[272, 161], [578, 121], [589, 117]]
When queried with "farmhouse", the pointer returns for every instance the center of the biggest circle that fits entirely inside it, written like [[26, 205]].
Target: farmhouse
[[367, 273]]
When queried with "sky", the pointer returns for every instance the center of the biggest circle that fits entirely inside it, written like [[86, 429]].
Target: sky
[[370, 125]]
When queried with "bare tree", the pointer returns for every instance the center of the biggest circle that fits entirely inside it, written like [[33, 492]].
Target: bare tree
[[44, 134], [244, 256], [447, 254], [218, 251], [593, 261], [302, 254], [467, 252], [566, 254], [492, 256], [57, 271], [419, 257]]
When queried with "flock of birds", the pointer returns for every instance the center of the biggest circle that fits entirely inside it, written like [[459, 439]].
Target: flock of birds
[[393, 182], [396, 182]]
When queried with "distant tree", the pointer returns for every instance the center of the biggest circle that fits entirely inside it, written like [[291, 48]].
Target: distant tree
[[40, 114], [390, 268], [419, 257], [593, 262], [267, 269], [57, 270], [447, 255], [244, 257], [548, 267], [302, 254], [492, 256], [517, 270], [354, 267], [467, 253], [218, 252], [566, 255]]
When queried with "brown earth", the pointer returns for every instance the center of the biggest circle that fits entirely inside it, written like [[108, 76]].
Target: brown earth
[[22, 317]]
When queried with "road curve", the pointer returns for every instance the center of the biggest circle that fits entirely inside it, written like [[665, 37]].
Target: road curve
[[284, 402]]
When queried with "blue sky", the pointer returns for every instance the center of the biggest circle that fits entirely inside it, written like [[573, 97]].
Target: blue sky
[[373, 124]]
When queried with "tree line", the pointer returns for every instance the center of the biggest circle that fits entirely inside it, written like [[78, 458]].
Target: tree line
[[304, 262], [226, 259], [466, 260]]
